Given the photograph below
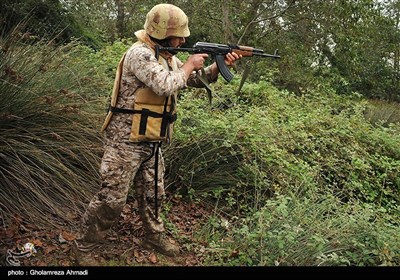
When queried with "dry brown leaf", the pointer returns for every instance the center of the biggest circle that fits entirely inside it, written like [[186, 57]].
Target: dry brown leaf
[[37, 243], [65, 247], [153, 258], [49, 249], [41, 263], [65, 263], [234, 254], [10, 232], [135, 240], [68, 235]]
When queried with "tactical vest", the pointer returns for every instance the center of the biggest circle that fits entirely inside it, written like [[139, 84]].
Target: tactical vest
[[152, 115]]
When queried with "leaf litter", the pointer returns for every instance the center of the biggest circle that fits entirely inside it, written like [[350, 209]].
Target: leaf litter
[[54, 246]]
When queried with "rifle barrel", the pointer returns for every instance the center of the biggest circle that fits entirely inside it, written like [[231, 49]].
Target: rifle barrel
[[268, 55]]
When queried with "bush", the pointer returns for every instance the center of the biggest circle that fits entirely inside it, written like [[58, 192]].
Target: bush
[[315, 231], [271, 141], [293, 180]]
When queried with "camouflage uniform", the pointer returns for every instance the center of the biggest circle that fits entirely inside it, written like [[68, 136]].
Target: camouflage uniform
[[124, 163]]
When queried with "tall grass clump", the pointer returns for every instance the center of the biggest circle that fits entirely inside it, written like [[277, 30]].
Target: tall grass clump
[[49, 117], [382, 112]]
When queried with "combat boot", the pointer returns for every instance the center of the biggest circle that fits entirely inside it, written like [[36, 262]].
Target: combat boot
[[83, 253], [161, 243]]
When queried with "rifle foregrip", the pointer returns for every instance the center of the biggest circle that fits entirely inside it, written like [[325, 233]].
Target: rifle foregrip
[[223, 69]]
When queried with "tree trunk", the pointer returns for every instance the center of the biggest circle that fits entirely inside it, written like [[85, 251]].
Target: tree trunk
[[120, 24], [226, 23], [396, 60]]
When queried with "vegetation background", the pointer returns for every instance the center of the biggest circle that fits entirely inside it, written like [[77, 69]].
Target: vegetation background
[[301, 166]]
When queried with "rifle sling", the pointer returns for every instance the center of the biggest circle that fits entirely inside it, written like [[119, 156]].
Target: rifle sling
[[203, 79], [244, 76]]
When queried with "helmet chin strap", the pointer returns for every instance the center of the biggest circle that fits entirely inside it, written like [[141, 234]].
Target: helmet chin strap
[[164, 43]]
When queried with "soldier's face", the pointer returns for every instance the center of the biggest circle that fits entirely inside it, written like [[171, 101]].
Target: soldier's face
[[176, 42]]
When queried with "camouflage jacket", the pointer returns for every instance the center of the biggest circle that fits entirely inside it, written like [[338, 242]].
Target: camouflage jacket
[[142, 69]]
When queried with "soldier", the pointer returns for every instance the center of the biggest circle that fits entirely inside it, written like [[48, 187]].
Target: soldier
[[141, 116]]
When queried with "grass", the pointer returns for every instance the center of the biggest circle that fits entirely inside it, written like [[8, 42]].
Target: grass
[[49, 147], [379, 111]]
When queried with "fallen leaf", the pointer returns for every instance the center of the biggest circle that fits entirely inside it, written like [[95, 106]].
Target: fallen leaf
[[37, 243], [153, 258], [68, 236], [49, 249], [61, 238], [65, 247], [234, 254], [135, 240], [41, 263], [65, 263]]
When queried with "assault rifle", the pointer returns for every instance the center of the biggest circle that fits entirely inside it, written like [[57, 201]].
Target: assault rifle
[[218, 52]]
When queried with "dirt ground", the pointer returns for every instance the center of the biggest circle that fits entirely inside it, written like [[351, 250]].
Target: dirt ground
[[55, 247]]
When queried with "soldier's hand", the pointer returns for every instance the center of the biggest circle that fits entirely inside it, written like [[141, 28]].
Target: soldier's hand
[[230, 58], [194, 63], [197, 60]]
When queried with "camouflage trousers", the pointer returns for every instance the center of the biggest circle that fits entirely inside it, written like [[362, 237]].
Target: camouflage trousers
[[125, 165]]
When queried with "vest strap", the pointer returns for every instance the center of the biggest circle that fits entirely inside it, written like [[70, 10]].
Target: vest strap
[[122, 110], [167, 115]]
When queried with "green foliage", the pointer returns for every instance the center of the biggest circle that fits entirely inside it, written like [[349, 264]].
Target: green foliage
[[45, 19], [105, 61], [352, 46], [315, 231], [270, 140], [264, 154]]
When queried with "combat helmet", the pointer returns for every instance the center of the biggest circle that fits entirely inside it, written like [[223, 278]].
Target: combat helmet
[[165, 20]]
